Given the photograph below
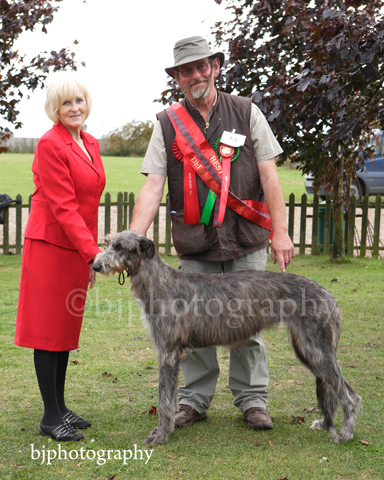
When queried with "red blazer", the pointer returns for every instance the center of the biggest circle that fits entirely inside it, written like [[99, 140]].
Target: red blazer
[[66, 198]]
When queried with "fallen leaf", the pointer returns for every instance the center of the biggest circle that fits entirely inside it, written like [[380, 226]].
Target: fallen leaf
[[299, 382], [112, 478], [153, 410], [22, 429], [106, 374], [334, 280], [149, 367], [270, 443], [115, 380], [140, 374], [353, 289], [79, 464], [312, 409], [226, 390], [172, 457], [363, 442], [298, 419], [75, 362]]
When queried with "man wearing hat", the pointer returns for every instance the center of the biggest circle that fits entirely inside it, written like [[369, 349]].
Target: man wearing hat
[[224, 198]]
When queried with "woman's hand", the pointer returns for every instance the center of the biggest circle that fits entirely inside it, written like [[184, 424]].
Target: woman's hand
[[92, 277]]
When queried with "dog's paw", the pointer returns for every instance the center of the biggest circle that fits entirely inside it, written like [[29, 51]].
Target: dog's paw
[[342, 438], [317, 425], [156, 437]]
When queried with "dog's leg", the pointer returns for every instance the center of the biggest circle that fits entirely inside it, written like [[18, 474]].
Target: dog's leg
[[328, 403], [350, 402], [320, 358], [168, 380]]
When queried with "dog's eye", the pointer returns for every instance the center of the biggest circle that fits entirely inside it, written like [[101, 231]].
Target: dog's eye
[[118, 246]]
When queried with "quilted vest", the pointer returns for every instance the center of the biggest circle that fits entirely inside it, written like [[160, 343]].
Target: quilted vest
[[237, 236]]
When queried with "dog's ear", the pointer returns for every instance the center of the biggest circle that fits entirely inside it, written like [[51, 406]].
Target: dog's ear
[[147, 247]]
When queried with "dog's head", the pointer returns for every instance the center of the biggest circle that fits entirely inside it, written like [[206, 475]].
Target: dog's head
[[126, 250]]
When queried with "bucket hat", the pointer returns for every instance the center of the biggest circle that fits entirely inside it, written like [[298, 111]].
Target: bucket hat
[[192, 49]]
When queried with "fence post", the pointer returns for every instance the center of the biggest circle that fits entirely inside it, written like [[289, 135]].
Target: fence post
[[315, 225], [107, 214], [18, 224], [351, 227], [119, 212], [168, 233], [291, 216], [125, 211], [303, 223], [6, 231], [376, 228], [156, 229], [364, 226], [327, 225], [131, 206]]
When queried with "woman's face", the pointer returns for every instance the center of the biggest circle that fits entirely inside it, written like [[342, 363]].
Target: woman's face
[[73, 111]]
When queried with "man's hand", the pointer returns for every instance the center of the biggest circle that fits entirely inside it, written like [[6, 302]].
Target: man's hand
[[282, 250]]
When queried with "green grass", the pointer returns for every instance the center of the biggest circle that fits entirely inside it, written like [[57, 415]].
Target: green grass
[[122, 173], [114, 341]]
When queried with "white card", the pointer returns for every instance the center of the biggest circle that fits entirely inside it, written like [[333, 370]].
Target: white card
[[233, 139]]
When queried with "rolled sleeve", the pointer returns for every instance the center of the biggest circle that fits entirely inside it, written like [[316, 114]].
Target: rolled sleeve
[[265, 144], [155, 160]]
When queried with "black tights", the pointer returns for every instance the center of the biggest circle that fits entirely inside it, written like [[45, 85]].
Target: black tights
[[51, 368]]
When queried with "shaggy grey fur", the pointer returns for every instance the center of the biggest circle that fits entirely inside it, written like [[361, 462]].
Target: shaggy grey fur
[[198, 310]]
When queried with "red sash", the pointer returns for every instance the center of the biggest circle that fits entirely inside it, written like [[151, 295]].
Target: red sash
[[200, 156]]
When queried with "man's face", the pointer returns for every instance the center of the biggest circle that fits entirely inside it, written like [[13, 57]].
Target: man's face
[[194, 77]]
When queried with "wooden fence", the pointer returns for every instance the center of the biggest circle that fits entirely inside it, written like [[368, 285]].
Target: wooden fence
[[309, 225]]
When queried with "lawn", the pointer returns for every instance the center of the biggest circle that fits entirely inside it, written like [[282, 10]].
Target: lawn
[[122, 173], [112, 381]]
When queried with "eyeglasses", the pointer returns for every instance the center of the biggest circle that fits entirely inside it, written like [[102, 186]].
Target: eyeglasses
[[187, 72]]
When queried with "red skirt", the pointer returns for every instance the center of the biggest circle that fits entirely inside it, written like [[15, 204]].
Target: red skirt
[[53, 290]]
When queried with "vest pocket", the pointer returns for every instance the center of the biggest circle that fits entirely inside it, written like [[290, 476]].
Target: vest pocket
[[249, 234], [188, 239]]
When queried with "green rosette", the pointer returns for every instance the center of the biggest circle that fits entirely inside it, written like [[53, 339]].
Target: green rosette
[[210, 202]]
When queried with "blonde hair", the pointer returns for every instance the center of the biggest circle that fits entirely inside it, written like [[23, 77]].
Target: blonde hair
[[61, 89]]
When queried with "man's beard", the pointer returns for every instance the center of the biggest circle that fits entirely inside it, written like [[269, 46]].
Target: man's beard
[[201, 92]]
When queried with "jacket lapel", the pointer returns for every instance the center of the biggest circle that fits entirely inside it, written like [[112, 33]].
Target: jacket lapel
[[89, 145]]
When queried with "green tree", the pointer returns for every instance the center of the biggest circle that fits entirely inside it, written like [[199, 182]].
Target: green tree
[[316, 70], [130, 140], [18, 75]]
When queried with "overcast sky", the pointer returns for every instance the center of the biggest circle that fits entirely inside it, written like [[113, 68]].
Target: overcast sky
[[126, 45]]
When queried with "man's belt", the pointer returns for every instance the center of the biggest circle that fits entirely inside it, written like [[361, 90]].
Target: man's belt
[[199, 157]]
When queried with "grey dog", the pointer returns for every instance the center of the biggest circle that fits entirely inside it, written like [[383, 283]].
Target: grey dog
[[199, 310]]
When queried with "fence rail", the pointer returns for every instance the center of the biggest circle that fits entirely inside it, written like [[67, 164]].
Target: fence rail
[[310, 225]]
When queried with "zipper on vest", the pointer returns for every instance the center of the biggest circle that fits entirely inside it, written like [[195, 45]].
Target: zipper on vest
[[206, 127]]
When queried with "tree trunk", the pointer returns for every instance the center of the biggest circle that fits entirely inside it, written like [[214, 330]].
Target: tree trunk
[[338, 250]]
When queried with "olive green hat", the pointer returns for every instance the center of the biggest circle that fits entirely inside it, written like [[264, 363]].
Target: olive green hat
[[190, 50]]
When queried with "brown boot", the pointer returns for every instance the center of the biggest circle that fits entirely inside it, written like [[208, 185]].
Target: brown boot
[[258, 418], [187, 416]]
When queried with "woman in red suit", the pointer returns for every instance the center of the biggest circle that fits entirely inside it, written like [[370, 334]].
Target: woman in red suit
[[59, 248]]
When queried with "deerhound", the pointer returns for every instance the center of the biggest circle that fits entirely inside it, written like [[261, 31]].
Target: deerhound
[[195, 310]]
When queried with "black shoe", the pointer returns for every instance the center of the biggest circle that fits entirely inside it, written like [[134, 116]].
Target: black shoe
[[61, 433], [77, 422]]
